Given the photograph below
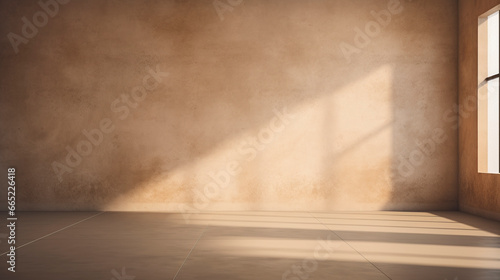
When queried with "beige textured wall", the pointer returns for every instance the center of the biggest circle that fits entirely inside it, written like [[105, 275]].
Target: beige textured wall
[[288, 102], [479, 193]]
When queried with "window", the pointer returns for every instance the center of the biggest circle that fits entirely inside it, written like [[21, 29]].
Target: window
[[488, 92]]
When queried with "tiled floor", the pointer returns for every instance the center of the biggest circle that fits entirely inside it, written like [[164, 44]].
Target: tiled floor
[[254, 245]]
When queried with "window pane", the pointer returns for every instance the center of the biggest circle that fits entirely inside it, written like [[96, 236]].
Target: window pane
[[493, 126], [493, 44]]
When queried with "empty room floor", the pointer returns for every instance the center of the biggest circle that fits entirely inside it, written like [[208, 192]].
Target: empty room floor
[[254, 245]]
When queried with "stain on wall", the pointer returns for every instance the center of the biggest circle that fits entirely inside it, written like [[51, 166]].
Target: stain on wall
[[257, 104], [479, 192]]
